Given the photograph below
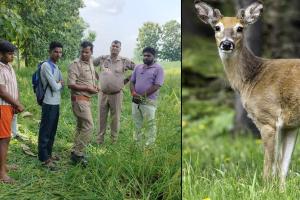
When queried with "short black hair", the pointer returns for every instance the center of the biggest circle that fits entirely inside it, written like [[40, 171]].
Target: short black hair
[[116, 42], [54, 45], [85, 44], [149, 50], [6, 46]]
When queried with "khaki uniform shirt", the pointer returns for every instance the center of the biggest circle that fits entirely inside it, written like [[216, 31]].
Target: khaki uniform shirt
[[111, 77], [81, 73]]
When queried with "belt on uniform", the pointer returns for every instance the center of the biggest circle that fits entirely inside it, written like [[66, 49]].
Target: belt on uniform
[[80, 98], [111, 93]]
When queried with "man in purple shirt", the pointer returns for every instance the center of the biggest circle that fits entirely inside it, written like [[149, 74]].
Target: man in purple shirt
[[145, 82]]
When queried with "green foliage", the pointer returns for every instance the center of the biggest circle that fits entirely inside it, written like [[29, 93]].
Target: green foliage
[[120, 171], [11, 24], [149, 35], [217, 166], [91, 36], [207, 116], [33, 24], [165, 39], [171, 41], [201, 56]]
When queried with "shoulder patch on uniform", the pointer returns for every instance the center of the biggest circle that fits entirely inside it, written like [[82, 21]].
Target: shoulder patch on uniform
[[76, 61]]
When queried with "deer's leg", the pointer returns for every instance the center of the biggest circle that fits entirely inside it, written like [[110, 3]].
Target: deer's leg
[[268, 137], [278, 148], [289, 140]]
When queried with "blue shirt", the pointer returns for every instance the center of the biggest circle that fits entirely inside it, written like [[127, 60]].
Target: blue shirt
[[51, 75]]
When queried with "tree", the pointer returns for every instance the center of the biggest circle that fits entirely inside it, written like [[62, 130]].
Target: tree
[[33, 24], [12, 24], [149, 35], [91, 36], [281, 25], [60, 22], [171, 41]]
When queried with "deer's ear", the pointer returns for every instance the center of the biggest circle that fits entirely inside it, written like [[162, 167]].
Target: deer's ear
[[251, 13], [206, 13]]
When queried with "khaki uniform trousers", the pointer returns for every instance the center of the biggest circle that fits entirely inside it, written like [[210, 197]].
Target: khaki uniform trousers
[[112, 103], [85, 125]]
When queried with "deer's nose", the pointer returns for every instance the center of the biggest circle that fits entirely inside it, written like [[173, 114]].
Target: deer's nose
[[226, 45]]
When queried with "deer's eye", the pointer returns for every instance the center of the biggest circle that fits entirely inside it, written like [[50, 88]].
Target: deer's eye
[[239, 29], [217, 28]]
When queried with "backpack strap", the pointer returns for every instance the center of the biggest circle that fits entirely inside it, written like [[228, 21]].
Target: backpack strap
[[52, 69]]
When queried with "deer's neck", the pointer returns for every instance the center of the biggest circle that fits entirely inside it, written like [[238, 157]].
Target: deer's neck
[[242, 68]]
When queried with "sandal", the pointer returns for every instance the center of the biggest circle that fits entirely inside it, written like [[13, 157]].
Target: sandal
[[12, 167], [49, 164], [7, 180], [55, 158]]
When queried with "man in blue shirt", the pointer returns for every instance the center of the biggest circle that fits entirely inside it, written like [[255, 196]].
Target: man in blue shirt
[[52, 81]]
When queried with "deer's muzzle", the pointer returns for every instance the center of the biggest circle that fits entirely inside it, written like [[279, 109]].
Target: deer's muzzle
[[226, 45]]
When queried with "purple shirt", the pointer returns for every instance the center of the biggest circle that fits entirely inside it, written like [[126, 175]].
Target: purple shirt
[[145, 76]]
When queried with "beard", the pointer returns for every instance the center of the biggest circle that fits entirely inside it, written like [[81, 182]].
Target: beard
[[147, 62]]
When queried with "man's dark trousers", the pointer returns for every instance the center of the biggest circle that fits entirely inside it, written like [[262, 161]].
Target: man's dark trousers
[[48, 126]]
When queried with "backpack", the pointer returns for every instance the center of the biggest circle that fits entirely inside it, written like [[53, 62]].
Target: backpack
[[37, 84]]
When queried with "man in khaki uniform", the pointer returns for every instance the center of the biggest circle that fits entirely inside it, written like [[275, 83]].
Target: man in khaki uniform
[[81, 81], [112, 80]]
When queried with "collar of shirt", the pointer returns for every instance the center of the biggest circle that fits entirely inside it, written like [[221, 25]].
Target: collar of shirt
[[51, 63], [117, 59], [8, 66], [85, 62], [149, 66]]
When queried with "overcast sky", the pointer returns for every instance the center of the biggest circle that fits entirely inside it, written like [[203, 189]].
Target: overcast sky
[[121, 19]]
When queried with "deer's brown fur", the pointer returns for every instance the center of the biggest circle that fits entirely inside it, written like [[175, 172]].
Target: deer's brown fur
[[269, 88]]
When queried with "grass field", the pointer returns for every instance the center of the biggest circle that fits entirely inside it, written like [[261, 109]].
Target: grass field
[[119, 171], [218, 167]]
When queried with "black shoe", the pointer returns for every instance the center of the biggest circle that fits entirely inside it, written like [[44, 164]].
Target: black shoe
[[19, 138], [78, 160], [83, 162]]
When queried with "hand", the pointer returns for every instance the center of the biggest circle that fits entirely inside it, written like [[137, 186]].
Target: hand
[[92, 89], [126, 80], [97, 88], [133, 93], [61, 81], [138, 97], [19, 108], [97, 76]]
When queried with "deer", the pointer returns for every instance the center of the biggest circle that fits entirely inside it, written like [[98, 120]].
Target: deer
[[269, 88]]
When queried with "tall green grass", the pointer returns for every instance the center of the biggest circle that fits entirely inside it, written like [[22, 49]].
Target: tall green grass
[[118, 171], [218, 167]]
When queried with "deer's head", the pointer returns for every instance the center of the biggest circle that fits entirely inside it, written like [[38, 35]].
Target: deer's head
[[229, 31]]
